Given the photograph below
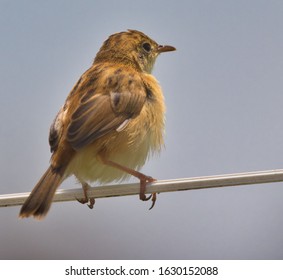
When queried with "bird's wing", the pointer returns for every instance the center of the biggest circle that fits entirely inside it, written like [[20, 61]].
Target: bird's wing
[[56, 130], [99, 113]]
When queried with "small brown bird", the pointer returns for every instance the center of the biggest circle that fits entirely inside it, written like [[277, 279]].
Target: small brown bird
[[112, 120]]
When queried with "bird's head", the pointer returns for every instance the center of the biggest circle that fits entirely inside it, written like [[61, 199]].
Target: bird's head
[[132, 48]]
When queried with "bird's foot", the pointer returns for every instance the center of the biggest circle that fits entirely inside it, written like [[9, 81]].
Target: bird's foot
[[143, 178], [89, 200], [143, 181]]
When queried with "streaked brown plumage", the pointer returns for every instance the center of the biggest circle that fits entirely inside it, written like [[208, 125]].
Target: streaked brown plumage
[[111, 121]]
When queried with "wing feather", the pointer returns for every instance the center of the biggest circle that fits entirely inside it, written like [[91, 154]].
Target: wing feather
[[104, 112]]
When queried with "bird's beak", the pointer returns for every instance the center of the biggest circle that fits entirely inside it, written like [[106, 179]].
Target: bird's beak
[[165, 48]]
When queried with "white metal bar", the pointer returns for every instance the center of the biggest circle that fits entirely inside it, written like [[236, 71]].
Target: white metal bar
[[194, 183]]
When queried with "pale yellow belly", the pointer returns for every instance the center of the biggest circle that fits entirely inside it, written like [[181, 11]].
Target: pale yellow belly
[[129, 148]]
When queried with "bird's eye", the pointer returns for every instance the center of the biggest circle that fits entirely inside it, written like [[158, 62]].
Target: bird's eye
[[146, 47]]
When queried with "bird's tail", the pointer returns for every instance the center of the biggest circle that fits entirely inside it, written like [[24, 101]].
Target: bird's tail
[[40, 199]]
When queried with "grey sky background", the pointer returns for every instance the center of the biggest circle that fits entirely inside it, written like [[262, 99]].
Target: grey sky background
[[224, 94]]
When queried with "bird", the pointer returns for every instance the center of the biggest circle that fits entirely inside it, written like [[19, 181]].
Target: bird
[[112, 121]]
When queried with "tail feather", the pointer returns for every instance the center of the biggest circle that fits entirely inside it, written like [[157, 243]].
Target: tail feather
[[40, 199]]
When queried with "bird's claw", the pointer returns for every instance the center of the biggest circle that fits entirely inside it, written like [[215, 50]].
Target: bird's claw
[[89, 200], [143, 197], [153, 200]]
